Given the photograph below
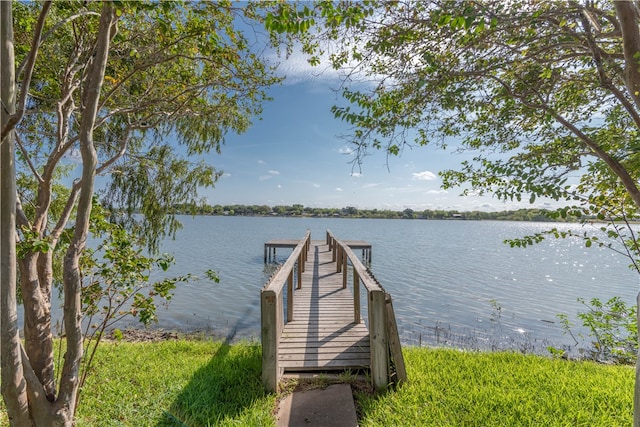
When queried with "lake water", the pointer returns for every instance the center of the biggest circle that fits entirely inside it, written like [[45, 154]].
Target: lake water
[[452, 282]]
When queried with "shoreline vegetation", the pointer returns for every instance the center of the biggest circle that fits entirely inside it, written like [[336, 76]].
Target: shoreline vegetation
[[177, 380], [298, 210]]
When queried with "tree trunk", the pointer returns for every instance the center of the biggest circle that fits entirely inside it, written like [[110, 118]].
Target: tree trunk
[[627, 14], [13, 386], [38, 338], [28, 381], [71, 274]]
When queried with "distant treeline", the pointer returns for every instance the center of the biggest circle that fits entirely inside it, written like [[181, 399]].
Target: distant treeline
[[352, 212]]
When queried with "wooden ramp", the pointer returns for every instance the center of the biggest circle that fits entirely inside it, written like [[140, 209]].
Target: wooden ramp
[[323, 335]]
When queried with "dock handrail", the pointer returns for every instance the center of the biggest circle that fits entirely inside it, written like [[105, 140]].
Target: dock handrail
[[272, 309], [381, 319]]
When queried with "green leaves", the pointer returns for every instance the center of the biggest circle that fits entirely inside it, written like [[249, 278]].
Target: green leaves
[[612, 327], [153, 186], [31, 242], [521, 86], [179, 73], [118, 274], [290, 18]]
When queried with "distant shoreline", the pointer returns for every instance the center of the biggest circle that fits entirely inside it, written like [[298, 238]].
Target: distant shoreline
[[295, 211]]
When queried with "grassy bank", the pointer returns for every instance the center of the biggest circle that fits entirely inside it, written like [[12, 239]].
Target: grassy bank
[[202, 383]]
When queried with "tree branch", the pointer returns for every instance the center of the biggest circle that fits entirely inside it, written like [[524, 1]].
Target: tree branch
[[72, 277], [26, 81], [26, 156], [65, 214], [54, 29]]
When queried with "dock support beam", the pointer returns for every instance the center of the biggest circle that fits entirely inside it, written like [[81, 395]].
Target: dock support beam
[[379, 344], [356, 297], [271, 315]]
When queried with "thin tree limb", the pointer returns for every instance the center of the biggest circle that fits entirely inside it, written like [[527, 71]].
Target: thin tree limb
[[30, 64]]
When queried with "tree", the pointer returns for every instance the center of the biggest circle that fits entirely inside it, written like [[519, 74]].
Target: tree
[[8, 332], [114, 85], [408, 213], [546, 94]]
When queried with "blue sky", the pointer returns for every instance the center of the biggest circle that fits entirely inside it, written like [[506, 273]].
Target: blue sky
[[295, 154]]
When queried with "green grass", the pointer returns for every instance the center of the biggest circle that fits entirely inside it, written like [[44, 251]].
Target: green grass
[[455, 388], [175, 383], [203, 383]]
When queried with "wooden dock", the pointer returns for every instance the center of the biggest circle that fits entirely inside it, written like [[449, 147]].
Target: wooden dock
[[319, 327], [271, 246], [323, 334]]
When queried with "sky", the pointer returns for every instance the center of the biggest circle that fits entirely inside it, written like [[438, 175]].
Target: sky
[[295, 153]]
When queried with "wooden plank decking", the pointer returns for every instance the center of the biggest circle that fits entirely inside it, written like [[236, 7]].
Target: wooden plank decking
[[323, 334]]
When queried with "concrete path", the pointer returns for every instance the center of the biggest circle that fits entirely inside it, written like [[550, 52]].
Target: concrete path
[[329, 407]]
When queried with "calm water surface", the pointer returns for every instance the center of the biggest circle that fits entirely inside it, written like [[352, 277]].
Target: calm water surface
[[452, 282]]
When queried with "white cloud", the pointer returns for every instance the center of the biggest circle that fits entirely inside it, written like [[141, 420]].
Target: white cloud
[[371, 185], [297, 69], [279, 185], [345, 150], [270, 174], [316, 185], [262, 162], [424, 176], [226, 175], [338, 189], [437, 192], [356, 174]]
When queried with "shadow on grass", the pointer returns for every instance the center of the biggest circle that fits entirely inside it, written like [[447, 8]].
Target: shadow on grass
[[227, 390]]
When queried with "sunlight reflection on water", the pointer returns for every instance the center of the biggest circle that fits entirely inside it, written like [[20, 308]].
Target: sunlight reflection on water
[[452, 282]]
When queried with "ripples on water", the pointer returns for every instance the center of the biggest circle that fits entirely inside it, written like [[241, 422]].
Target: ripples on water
[[452, 282]]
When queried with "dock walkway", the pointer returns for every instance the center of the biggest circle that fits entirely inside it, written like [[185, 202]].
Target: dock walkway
[[322, 334], [316, 326]]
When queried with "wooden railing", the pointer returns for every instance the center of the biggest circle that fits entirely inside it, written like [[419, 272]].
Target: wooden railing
[[272, 310], [383, 331]]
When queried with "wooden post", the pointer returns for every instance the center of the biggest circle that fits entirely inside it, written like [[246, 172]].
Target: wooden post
[[394, 342], [356, 297], [304, 253], [344, 270], [300, 270], [290, 297], [265, 253], [338, 259], [270, 338], [378, 340]]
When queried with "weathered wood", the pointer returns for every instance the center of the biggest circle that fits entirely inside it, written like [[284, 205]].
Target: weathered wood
[[345, 271], [378, 339], [356, 296], [270, 340], [271, 245], [324, 328], [323, 335], [394, 342], [290, 297], [272, 318], [299, 268]]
